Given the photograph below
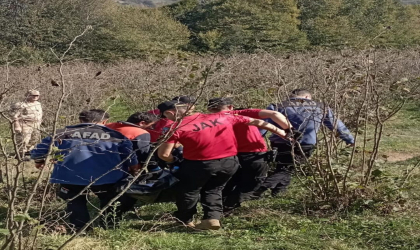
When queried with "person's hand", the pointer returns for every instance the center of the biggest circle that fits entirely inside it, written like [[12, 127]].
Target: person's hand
[[134, 170], [18, 130], [40, 165], [175, 162], [293, 134]]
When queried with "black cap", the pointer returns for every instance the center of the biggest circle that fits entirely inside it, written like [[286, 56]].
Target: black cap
[[217, 102], [164, 106], [185, 99]]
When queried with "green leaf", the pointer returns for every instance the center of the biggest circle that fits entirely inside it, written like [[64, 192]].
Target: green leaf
[[55, 149], [22, 217], [377, 173], [4, 231], [59, 157]]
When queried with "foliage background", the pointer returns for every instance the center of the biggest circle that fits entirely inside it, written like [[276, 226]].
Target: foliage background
[[221, 26]]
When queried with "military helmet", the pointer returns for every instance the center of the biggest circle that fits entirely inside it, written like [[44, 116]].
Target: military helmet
[[32, 92]]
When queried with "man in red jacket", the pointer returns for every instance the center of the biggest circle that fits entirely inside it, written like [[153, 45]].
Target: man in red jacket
[[210, 150], [252, 152], [160, 127]]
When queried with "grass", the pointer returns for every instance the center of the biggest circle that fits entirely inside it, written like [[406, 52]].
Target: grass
[[266, 224], [117, 109], [279, 223], [402, 132]]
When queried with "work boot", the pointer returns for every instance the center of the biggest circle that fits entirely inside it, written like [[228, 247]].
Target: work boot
[[228, 211], [210, 224], [258, 194], [276, 192]]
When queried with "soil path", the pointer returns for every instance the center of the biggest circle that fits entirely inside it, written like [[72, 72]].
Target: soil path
[[399, 156]]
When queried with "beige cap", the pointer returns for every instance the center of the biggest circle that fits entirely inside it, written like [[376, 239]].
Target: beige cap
[[32, 92]]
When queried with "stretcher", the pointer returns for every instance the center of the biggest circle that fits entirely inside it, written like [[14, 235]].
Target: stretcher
[[149, 188]]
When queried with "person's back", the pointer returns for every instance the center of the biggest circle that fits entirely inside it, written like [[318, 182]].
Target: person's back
[[307, 116], [201, 135], [249, 138], [304, 114], [88, 154], [135, 130]]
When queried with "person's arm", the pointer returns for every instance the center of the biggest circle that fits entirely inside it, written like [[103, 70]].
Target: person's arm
[[15, 113], [165, 151], [269, 115], [271, 107], [267, 126], [276, 117], [126, 151], [39, 153], [143, 147], [342, 130]]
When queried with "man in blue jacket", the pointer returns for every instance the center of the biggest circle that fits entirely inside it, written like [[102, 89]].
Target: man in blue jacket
[[306, 116], [87, 153]]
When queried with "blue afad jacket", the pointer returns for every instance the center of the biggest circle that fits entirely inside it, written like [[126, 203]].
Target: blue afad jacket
[[306, 116], [86, 152]]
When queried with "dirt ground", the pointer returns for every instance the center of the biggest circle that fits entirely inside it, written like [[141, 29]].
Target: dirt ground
[[399, 156]]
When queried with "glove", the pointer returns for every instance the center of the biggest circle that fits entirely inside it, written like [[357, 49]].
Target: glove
[[175, 163], [293, 134]]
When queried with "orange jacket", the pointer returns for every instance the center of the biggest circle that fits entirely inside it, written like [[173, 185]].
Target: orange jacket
[[139, 137]]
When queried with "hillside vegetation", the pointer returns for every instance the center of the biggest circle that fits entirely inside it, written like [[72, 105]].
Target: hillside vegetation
[[32, 30], [382, 214]]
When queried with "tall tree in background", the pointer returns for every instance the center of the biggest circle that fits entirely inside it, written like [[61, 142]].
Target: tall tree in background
[[324, 24], [384, 22], [243, 25], [338, 23]]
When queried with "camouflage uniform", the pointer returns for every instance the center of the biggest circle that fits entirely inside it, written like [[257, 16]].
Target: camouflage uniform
[[27, 118]]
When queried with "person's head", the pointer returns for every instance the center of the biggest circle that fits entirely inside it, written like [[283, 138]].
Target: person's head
[[142, 119], [97, 116], [219, 104], [173, 110], [32, 95], [301, 93], [185, 99]]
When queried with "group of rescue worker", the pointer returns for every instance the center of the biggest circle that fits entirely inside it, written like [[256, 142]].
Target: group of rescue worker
[[221, 157]]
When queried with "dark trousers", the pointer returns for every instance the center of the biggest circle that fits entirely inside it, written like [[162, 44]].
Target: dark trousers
[[285, 162], [77, 208], [249, 177], [205, 179]]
